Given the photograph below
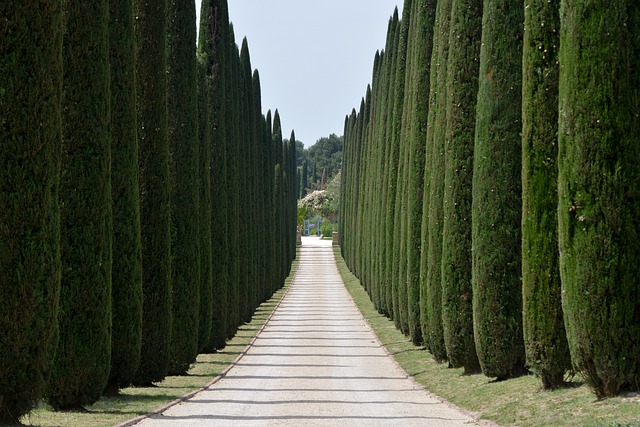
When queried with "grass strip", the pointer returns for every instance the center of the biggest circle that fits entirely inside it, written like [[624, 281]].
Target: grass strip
[[518, 401], [137, 401]]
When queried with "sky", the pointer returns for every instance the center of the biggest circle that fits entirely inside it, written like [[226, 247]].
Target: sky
[[315, 58]]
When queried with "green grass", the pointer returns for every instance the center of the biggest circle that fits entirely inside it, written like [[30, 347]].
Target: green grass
[[135, 401], [518, 401]]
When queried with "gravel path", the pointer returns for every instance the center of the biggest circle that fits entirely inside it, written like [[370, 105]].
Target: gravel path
[[316, 363]]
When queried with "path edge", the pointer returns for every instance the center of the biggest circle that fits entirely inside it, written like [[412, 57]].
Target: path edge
[[163, 408], [475, 416]]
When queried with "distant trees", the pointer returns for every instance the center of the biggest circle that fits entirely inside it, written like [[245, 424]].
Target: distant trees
[[523, 219], [137, 186], [325, 155]]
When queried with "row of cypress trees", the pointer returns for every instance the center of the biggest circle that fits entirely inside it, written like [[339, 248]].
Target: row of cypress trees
[[148, 206], [490, 187]]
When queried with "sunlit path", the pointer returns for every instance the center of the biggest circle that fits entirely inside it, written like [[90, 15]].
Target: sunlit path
[[315, 363]]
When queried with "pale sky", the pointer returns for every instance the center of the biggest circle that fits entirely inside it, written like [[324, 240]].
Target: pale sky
[[315, 58]]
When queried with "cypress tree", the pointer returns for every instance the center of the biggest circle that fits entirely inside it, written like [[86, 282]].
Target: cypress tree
[[543, 325], [215, 41], [249, 299], [126, 290], [374, 177], [234, 173], [599, 232], [385, 111], [462, 91], [247, 141], [421, 43], [182, 107], [269, 203], [392, 166], [204, 198], [261, 155], [365, 193], [291, 201], [497, 200], [433, 202], [358, 187], [399, 284], [31, 66], [279, 193], [81, 366], [155, 209], [402, 199], [347, 235], [369, 193]]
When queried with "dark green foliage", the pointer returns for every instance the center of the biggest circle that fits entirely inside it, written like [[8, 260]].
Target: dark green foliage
[[543, 325], [214, 40], [292, 201], [398, 270], [126, 290], [204, 203], [391, 169], [234, 165], [269, 182], [385, 113], [30, 92], [278, 195], [247, 145], [420, 45], [182, 107], [497, 201], [262, 173], [375, 199], [462, 91], [304, 179], [599, 232], [430, 272], [155, 209], [325, 154], [81, 366]]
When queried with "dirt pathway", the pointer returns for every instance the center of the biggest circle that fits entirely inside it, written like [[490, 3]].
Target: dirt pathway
[[316, 363]]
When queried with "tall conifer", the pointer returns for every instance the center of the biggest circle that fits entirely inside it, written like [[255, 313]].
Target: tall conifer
[[204, 198], [155, 209], [247, 146], [31, 70], [436, 136], [421, 43], [599, 199], [182, 110], [126, 288], [215, 40], [392, 155], [462, 91], [83, 359], [234, 173], [544, 333], [398, 282], [497, 199]]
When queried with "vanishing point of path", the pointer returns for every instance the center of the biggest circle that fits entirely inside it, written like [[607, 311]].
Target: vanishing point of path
[[316, 363]]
